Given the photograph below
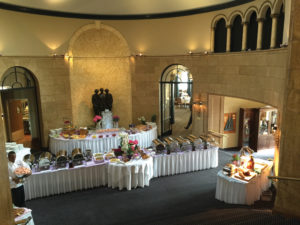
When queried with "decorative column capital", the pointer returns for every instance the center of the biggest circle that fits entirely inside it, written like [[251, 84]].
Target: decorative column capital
[[260, 20], [228, 26], [245, 23], [275, 15]]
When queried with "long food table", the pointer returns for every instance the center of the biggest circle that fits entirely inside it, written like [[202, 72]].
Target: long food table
[[136, 173], [236, 191], [100, 144]]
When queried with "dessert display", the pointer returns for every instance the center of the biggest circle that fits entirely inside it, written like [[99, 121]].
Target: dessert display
[[243, 167]]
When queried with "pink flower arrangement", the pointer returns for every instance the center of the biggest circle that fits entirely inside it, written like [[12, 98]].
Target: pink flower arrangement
[[135, 142], [97, 118], [116, 118]]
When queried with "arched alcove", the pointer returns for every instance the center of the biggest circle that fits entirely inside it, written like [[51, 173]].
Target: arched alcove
[[267, 30], [99, 59], [236, 34], [252, 32], [280, 26], [220, 36], [20, 103]]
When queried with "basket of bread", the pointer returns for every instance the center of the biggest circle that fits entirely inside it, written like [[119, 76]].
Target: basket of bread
[[22, 172]]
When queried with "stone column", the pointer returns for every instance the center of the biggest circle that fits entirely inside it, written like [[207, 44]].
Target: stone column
[[228, 40], [5, 195], [287, 20], [274, 30], [260, 22], [245, 33], [288, 196], [212, 39]]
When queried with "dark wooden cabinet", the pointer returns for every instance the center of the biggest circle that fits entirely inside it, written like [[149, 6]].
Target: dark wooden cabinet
[[257, 127]]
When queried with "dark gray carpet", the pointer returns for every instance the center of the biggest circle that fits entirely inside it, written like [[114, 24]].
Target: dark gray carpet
[[181, 199]]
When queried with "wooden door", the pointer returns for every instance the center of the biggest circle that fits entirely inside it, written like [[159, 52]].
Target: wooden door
[[16, 119]]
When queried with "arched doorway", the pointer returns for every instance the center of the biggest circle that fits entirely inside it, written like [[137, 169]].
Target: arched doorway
[[20, 107], [176, 87]]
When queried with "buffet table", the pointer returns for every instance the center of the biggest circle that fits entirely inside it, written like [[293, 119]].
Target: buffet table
[[100, 145], [236, 191], [136, 173], [183, 162], [51, 182]]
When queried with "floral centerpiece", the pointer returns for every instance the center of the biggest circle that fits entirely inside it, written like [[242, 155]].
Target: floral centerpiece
[[128, 148], [97, 119], [142, 120]]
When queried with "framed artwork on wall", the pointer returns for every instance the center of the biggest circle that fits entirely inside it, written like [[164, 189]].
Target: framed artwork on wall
[[229, 123]]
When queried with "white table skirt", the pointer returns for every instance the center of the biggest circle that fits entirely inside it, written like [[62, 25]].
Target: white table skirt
[[136, 173], [65, 180], [98, 145], [182, 162], [25, 215], [233, 191]]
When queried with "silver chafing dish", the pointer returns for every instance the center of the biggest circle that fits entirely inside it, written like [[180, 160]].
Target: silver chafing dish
[[196, 141], [88, 154], [77, 156], [61, 159], [158, 145], [185, 144], [45, 161], [29, 159], [173, 145]]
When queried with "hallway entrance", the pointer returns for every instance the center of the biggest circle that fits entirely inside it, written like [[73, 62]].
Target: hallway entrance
[[176, 87], [20, 107]]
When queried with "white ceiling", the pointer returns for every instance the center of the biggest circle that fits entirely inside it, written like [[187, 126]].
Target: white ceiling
[[117, 7]]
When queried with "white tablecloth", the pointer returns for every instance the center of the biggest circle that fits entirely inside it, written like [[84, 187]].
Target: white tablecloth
[[136, 173], [233, 191], [103, 144], [182, 162], [52, 182], [25, 215]]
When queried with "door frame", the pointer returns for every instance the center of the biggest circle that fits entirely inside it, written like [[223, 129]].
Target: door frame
[[32, 86], [162, 84]]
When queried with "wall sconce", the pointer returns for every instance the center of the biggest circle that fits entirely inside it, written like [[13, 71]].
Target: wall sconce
[[199, 107]]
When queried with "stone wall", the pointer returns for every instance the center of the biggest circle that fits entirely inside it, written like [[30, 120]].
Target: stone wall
[[52, 75], [258, 76], [288, 195]]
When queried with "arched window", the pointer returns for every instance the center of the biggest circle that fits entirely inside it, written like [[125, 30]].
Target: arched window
[[267, 30], [236, 35], [280, 24], [252, 32], [220, 36]]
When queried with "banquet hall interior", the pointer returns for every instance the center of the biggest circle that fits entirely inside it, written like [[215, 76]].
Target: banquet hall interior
[[150, 112]]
